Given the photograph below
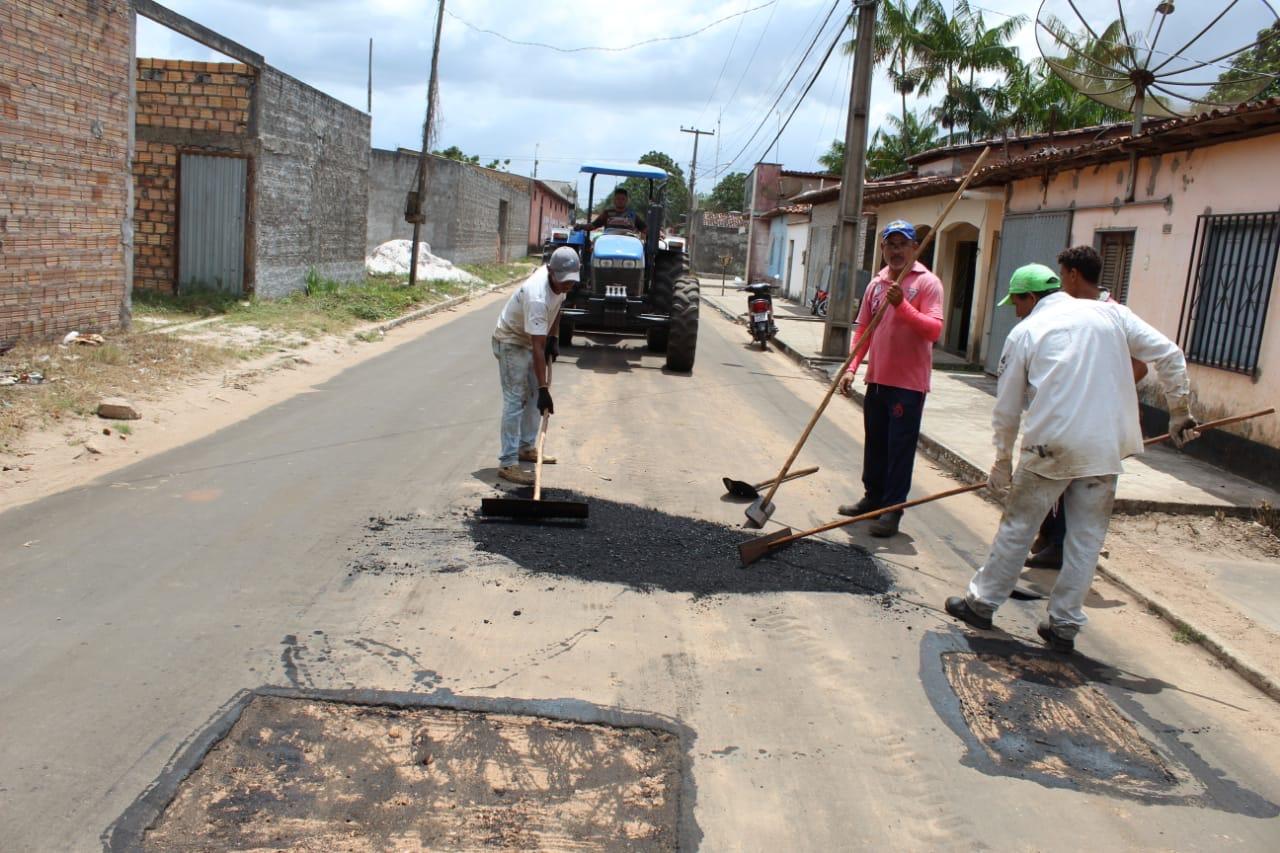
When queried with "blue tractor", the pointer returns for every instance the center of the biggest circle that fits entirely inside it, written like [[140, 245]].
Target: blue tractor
[[633, 286]]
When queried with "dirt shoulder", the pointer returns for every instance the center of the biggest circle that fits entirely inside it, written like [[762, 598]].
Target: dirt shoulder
[[187, 381]]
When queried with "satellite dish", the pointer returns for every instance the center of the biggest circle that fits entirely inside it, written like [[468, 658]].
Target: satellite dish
[[1152, 60]]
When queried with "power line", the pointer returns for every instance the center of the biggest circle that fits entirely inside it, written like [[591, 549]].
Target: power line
[[747, 68], [723, 66], [835, 41], [606, 49]]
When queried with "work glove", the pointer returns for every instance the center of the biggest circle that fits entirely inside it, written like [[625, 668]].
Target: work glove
[[1000, 480], [1182, 426], [552, 351], [545, 405]]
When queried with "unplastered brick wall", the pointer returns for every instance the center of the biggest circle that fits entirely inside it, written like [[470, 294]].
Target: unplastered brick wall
[[311, 186], [65, 69], [193, 107]]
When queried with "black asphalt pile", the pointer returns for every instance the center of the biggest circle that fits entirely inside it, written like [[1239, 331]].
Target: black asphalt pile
[[648, 549]]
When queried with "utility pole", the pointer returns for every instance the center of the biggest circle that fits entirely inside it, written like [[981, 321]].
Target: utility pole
[[693, 168], [417, 198], [370, 109], [837, 335], [535, 160]]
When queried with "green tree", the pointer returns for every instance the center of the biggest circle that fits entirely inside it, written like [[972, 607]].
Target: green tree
[[503, 165], [898, 44], [888, 152], [677, 192], [729, 194], [833, 160], [453, 152], [1240, 80]]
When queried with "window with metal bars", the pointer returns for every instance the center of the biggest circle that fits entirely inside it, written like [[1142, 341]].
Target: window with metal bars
[[1224, 309], [1116, 250]]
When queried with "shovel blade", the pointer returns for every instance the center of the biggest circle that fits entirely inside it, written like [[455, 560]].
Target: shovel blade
[[740, 489], [754, 549], [759, 513]]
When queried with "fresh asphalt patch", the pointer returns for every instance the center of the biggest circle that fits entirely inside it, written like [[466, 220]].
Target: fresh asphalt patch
[[649, 549]]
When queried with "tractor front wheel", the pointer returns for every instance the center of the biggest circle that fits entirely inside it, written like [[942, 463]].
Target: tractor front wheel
[[682, 332]]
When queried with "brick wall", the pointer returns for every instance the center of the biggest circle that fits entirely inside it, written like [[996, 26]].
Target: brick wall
[[65, 70], [182, 106], [311, 186]]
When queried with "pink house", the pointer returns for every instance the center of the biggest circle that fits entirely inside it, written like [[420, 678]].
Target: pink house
[[550, 206]]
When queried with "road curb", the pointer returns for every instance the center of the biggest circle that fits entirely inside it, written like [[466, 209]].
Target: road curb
[[969, 473], [428, 310], [1207, 640]]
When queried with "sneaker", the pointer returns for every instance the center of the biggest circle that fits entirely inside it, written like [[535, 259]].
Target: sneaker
[[862, 507], [516, 474], [958, 607], [1054, 640], [529, 454], [1046, 558], [886, 525]]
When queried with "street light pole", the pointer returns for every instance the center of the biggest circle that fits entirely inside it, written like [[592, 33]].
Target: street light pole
[[420, 195], [837, 335]]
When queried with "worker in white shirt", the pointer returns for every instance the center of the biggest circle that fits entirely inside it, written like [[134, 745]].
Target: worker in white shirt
[[1071, 359], [524, 341]]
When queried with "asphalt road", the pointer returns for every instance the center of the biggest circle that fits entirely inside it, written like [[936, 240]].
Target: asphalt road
[[819, 720]]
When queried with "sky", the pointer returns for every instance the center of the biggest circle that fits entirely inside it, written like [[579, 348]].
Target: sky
[[499, 100]]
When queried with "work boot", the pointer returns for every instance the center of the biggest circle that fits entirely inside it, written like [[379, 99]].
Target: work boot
[[862, 507], [530, 454], [958, 607], [886, 525], [1054, 640], [516, 474], [1046, 558]]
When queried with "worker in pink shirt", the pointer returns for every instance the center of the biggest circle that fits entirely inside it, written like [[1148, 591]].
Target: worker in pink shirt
[[900, 362]]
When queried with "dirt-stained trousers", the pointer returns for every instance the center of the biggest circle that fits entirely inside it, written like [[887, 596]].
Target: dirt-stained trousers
[[520, 416], [1088, 502]]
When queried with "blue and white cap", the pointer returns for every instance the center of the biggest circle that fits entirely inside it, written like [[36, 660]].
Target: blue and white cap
[[899, 226]]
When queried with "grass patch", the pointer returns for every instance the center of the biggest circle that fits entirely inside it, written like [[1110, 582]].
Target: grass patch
[[131, 365], [1186, 635], [124, 429]]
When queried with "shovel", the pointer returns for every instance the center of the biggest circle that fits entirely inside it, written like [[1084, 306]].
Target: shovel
[[743, 489], [762, 510], [756, 548]]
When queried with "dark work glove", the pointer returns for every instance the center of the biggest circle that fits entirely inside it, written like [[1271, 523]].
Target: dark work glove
[[545, 405], [552, 351]]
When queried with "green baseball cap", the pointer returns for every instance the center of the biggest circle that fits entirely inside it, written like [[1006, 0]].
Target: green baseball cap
[[1033, 278]]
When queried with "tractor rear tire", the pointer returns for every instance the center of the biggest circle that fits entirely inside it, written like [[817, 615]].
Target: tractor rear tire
[[682, 332], [668, 267], [657, 338]]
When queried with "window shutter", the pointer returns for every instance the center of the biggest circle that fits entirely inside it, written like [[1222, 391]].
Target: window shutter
[[1117, 263]]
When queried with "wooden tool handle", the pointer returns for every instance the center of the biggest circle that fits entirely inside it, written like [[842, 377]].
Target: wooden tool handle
[[794, 475], [542, 437], [1215, 424], [845, 522], [865, 341]]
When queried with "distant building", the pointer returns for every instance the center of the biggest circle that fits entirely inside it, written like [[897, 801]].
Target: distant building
[[550, 206], [768, 186]]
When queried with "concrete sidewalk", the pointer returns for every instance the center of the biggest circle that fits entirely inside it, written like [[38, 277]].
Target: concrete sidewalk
[[956, 431]]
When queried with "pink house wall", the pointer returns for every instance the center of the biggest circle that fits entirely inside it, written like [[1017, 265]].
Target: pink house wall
[[1234, 177]]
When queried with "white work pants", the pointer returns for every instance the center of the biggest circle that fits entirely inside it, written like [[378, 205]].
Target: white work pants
[[1088, 503]]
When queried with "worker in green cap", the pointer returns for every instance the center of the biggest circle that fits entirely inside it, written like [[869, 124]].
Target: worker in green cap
[[1071, 359]]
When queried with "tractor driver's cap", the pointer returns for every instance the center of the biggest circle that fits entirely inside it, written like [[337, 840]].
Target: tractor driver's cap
[[1033, 278], [899, 226], [564, 265]]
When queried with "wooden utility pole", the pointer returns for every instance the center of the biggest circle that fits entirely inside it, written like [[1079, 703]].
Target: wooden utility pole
[[370, 102], [837, 335], [417, 198], [693, 168]]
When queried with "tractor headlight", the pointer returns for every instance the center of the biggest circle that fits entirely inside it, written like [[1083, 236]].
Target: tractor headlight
[[604, 264], [631, 265]]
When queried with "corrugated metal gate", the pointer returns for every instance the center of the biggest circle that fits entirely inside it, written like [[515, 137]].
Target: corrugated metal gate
[[817, 270], [1025, 238], [211, 223]]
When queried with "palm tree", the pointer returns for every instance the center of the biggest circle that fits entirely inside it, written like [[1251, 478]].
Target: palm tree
[[888, 152], [898, 39]]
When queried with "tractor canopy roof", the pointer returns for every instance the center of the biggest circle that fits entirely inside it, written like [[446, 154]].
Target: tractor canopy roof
[[626, 170]]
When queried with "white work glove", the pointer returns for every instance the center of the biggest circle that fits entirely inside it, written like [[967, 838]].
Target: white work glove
[[1000, 480], [1182, 426]]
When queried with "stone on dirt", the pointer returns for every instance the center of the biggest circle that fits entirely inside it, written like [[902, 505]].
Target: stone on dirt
[[118, 409]]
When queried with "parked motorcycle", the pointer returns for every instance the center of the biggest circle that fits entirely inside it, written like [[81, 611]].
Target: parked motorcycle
[[818, 304], [760, 307]]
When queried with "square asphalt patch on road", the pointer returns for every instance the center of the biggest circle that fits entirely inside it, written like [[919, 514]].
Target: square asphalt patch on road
[[303, 773]]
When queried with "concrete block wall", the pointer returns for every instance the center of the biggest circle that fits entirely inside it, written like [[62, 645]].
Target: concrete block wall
[[391, 176], [311, 186], [476, 238], [65, 133], [717, 235], [203, 107]]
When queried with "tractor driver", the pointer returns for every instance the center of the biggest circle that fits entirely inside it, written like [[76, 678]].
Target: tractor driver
[[621, 215]]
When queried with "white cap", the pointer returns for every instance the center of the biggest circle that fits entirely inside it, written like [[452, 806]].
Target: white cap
[[564, 265]]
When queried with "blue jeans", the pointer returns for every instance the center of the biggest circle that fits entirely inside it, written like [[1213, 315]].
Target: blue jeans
[[891, 421], [520, 416]]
